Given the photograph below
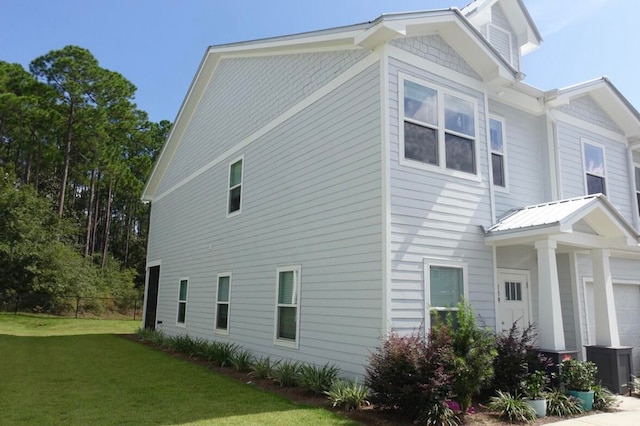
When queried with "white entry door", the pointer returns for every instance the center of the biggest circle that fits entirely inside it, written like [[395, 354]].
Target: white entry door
[[513, 299]]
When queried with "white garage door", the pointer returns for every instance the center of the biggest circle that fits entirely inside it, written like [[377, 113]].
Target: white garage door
[[627, 298]]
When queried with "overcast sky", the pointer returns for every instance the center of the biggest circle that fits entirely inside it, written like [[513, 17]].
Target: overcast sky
[[158, 44]]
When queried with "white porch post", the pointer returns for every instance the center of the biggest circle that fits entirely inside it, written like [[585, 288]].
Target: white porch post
[[605, 316], [550, 327]]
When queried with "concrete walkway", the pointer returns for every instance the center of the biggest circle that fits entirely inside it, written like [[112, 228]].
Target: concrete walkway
[[628, 414]]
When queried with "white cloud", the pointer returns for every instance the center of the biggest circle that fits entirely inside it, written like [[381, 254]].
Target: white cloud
[[552, 16]]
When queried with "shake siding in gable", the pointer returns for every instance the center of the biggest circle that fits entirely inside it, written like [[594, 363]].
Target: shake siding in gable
[[244, 94], [616, 166], [436, 216], [311, 197], [585, 108], [526, 158]]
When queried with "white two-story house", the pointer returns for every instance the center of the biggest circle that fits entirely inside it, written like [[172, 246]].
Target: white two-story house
[[321, 189]]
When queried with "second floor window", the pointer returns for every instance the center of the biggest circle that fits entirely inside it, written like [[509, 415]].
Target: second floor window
[[594, 169], [439, 128], [496, 133], [235, 187], [637, 170]]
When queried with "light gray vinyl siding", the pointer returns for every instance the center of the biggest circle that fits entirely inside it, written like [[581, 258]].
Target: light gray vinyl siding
[[243, 95], [436, 216], [527, 164], [435, 49], [619, 190], [311, 197], [566, 301], [499, 40], [585, 108]]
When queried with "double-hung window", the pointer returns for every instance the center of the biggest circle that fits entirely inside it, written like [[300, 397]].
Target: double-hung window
[[288, 306], [182, 301], [496, 134], [445, 285], [235, 188], [637, 172], [439, 128], [594, 168], [223, 299]]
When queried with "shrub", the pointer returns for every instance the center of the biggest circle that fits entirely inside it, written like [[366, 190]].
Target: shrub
[[603, 399], [318, 379], [183, 344], [439, 415], [410, 374], [474, 352], [560, 404], [347, 394], [286, 373], [535, 384], [511, 408], [263, 368], [219, 353], [578, 375], [516, 356], [155, 337], [241, 360]]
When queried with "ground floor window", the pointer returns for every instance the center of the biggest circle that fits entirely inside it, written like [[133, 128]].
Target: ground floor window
[[287, 306], [222, 303], [182, 301], [445, 286]]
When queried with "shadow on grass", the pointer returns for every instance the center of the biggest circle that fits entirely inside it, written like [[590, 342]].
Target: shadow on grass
[[104, 379]]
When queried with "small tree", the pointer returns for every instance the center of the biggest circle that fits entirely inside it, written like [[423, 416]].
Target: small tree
[[473, 354]]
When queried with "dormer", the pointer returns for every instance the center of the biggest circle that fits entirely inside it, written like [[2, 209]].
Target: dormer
[[507, 25]]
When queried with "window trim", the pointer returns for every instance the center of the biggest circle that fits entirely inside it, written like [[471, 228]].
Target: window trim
[[636, 188], [216, 330], [185, 301], [505, 168], [427, 264], [440, 128], [297, 270], [583, 143], [240, 185]]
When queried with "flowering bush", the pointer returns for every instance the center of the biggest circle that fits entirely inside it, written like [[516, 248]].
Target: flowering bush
[[578, 375]]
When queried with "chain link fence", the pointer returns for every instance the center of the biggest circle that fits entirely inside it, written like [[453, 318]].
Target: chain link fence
[[73, 306]]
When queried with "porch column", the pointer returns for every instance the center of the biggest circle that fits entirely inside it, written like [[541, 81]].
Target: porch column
[[550, 328], [605, 316]]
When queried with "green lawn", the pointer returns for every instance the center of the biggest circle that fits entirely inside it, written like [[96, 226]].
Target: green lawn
[[103, 379]]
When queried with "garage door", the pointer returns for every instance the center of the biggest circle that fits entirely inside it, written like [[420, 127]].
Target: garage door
[[627, 298]]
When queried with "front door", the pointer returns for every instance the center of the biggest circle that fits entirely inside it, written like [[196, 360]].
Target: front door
[[513, 299], [153, 278]]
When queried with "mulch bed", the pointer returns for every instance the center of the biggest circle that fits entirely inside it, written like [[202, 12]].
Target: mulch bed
[[365, 416]]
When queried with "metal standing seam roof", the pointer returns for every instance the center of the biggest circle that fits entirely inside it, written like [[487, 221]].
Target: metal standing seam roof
[[541, 215]]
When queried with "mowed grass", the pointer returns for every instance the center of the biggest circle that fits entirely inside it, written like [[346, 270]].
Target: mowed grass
[[104, 379], [43, 325]]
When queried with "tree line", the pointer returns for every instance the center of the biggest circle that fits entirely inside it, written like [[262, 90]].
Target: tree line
[[75, 153]]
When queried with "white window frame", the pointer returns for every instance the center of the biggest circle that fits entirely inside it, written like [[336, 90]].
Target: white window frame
[[490, 26], [223, 331], [297, 273], [240, 185], [427, 264], [503, 154], [583, 143], [637, 188], [440, 128], [185, 301]]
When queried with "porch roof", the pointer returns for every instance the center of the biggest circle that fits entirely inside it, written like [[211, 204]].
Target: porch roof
[[590, 221]]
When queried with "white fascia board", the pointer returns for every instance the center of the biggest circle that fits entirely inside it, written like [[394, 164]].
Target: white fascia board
[[518, 99], [380, 33], [520, 236]]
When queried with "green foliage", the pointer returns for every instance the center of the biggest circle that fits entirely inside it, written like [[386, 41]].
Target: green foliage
[[263, 368], [511, 408], [220, 353], [604, 399], [184, 344], [578, 375], [474, 351], [410, 374], [534, 385], [287, 373], [241, 360], [439, 415], [347, 394], [634, 385], [318, 379], [560, 404], [155, 337]]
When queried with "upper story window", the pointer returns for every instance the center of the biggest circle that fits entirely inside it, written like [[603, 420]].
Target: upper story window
[[439, 128], [235, 188], [637, 171], [496, 134], [594, 168], [182, 301]]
